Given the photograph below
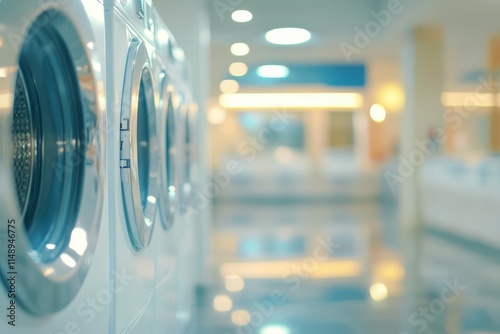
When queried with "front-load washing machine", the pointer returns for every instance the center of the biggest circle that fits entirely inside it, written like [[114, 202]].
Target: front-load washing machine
[[174, 291], [167, 234], [134, 162], [53, 219]]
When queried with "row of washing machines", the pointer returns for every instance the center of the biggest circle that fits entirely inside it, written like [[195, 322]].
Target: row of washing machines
[[97, 160]]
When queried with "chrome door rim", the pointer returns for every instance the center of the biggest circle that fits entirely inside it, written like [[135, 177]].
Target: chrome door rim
[[51, 269], [139, 191], [168, 155]]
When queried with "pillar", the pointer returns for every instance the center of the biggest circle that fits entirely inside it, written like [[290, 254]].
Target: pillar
[[494, 67], [423, 79]]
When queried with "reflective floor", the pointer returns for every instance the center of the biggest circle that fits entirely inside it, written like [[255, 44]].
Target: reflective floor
[[294, 268]]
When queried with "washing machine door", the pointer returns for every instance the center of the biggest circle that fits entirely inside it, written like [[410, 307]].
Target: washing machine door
[[50, 160], [189, 168], [139, 148], [168, 152]]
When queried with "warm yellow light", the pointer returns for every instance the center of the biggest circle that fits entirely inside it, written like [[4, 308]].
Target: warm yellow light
[[391, 96], [378, 292], [292, 100], [275, 269], [6, 100], [469, 99], [240, 317], [216, 115], [222, 303], [389, 271], [241, 16], [1, 42], [238, 69], [234, 283], [378, 113], [240, 49], [229, 86]]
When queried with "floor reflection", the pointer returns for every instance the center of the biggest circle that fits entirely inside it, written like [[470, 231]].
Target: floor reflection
[[343, 268]]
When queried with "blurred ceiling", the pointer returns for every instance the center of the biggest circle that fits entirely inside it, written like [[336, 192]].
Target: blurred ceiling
[[468, 25]]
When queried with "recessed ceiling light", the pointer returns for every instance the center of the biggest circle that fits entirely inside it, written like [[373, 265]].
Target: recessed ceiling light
[[288, 36], [273, 71], [240, 49], [229, 86], [222, 303], [238, 69], [240, 317], [241, 16]]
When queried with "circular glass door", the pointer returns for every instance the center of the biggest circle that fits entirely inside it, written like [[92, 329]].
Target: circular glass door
[[55, 164], [138, 147], [168, 170]]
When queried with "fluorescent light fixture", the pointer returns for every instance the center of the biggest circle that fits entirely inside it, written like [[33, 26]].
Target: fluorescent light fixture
[[222, 303], [273, 71], [288, 36], [274, 329], [240, 49], [275, 269], [238, 69], [378, 113], [241, 16], [229, 86], [469, 99], [292, 100]]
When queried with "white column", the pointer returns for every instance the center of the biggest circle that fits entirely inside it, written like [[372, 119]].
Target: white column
[[423, 77]]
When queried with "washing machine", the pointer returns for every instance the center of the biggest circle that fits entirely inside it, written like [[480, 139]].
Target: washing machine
[[134, 163], [172, 87], [166, 287], [53, 203]]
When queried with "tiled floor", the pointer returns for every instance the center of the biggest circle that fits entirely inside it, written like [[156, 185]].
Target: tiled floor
[[344, 268]]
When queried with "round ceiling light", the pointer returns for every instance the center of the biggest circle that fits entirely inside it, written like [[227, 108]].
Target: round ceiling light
[[378, 113], [241, 16], [288, 36], [240, 49], [238, 69], [229, 86]]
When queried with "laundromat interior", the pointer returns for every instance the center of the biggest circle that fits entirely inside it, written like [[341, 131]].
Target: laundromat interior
[[249, 167]]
